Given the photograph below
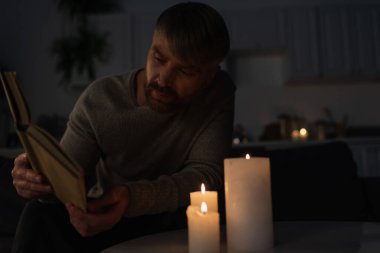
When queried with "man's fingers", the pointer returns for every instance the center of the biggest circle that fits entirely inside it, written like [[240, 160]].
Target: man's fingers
[[28, 183], [97, 205], [35, 187], [102, 214], [80, 220], [89, 224], [26, 174], [30, 190], [33, 176], [21, 160], [28, 194]]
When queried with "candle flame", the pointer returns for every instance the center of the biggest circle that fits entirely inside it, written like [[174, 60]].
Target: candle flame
[[204, 207], [247, 156], [303, 131], [203, 188]]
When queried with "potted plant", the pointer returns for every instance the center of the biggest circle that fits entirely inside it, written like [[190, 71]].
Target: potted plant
[[82, 47]]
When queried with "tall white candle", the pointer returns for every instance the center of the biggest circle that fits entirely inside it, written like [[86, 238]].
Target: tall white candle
[[210, 197], [248, 204], [203, 230]]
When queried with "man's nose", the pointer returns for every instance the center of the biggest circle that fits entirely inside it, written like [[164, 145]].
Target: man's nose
[[166, 77]]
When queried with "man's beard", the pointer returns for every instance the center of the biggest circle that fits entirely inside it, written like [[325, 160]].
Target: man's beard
[[170, 101]]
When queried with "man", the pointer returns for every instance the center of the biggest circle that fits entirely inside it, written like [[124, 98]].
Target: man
[[152, 136]]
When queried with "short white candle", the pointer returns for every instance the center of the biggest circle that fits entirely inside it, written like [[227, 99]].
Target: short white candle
[[210, 197], [203, 230], [248, 204]]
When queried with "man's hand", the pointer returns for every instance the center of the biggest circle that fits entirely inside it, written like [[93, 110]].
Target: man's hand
[[102, 214], [28, 183]]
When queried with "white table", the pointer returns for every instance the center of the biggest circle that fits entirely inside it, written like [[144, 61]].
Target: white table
[[300, 237]]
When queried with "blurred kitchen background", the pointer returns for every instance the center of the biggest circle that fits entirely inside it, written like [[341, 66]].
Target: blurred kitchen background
[[312, 64]]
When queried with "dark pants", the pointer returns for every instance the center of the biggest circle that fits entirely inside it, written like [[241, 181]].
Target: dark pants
[[46, 228]]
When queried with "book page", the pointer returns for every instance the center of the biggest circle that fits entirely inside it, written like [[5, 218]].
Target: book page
[[65, 176]]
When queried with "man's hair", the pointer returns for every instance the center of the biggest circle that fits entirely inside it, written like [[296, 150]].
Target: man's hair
[[195, 31]]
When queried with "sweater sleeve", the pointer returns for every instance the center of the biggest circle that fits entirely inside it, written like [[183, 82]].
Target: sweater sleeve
[[204, 164], [79, 139]]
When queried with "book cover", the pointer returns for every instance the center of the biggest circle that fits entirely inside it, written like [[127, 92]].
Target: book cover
[[44, 152]]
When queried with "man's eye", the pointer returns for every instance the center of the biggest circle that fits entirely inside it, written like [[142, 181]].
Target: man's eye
[[159, 60]]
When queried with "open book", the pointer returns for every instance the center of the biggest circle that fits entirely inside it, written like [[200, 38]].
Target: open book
[[44, 153]]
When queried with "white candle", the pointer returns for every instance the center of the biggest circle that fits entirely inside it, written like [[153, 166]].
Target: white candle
[[203, 230], [248, 204], [210, 197]]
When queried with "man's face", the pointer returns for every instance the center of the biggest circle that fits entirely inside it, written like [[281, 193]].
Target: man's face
[[171, 83]]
